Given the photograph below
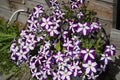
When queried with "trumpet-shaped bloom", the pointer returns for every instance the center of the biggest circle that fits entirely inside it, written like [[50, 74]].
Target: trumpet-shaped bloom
[[90, 67], [83, 29]]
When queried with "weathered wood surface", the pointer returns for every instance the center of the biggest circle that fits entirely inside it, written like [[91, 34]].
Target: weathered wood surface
[[114, 70], [7, 7], [104, 8], [115, 38]]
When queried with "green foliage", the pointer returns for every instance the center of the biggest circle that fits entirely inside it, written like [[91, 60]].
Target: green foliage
[[58, 46], [7, 34]]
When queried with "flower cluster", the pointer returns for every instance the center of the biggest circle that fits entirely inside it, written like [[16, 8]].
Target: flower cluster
[[59, 46]]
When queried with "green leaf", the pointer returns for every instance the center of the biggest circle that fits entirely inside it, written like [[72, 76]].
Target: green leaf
[[5, 47], [58, 47]]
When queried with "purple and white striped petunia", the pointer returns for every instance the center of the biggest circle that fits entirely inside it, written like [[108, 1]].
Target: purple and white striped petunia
[[68, 44], [36, 73], [38, 10], [73, 26], [32, 62], [59, 56], [53, 30], [58, 13], [110, 50], [32, 23], [46, 22], [83, 29], [56, 75], [105, 58], [76, 70], [63, 34], [53, 2], [90, 67], [88, 54], [14, 49], [65, 75], [80, 1], [80, 15], [22, 55], [95, 26], [56, 21], [64, 64], [74, 5], [92, 76]]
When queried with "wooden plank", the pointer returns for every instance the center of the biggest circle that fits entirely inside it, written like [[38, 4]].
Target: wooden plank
[[108, 1], [107, 25], [104, 10], [4, 4], [29, 5], [17, 1], [6, 13], [115, 38]]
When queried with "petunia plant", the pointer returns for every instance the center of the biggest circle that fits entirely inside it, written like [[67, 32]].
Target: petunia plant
[[67, 42]]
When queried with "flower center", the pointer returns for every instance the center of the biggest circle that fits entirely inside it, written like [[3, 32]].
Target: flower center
[[90, 65]]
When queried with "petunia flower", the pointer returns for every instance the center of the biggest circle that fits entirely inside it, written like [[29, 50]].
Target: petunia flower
[[65, 75], [62, 65], [76, 70], [44, 75], [90, 67], [80, 15], [58, 13], [83, 29], [22, 55], [59, 56], [46, 22], [56, 21], [32, 23], [110, 50], [68, 44], [94, 26], [56, 75], [73, 26], [88, 54], [92, 76], [80, 1], [35, 73], [53, 2], [105, 58], [63, 34], [53, 30], [38, 10], [74, 5]]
